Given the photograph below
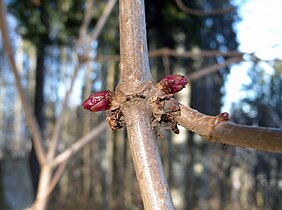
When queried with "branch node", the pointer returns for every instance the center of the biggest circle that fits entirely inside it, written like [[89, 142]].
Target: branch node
[[222, 117], [160, 98]]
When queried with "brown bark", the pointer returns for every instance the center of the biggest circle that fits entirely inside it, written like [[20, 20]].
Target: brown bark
[[148, 166], [134, 77], [260, 138], [134, 65], [210, 128]]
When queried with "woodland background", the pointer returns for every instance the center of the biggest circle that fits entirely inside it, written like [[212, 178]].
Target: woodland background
[[201, 175]]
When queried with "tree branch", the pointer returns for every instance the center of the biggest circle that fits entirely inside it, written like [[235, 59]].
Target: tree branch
[[134, 77], [60, 119], [211, 69], [86, 21], [29, 115], [102, 20], [178, 54], [195, 12], [147, 162], [210, 128], [56, 177], [193, 53], [134, 63], [183, 54]]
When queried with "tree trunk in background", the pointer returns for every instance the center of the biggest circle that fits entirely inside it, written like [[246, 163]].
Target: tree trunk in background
[[1, 121], [38, 109], [39, 102], [109, 141], [64, 183], [117, 191], [86, 152], [189, 199], [18, 116]]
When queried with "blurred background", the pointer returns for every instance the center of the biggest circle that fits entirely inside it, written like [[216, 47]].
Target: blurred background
[[242, 46]]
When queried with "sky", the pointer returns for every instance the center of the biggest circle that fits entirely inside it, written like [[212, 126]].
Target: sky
[[258, 32]]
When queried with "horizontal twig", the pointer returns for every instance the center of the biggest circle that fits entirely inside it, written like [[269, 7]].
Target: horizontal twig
[[193, 53], [211, 69], [190, 11], [177, 53], [209, 127], [56, 177], [260, 138]]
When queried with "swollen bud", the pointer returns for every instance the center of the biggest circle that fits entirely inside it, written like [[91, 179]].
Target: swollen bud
[[173, 83], [99, 101], [224, 116]]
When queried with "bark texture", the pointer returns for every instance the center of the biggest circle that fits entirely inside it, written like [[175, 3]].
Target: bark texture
[[211, 128], [134, 65], [148, 166], [134, 77]]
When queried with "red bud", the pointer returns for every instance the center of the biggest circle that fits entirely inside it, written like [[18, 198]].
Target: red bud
[[173, 83], [99, 101], [224, 116]]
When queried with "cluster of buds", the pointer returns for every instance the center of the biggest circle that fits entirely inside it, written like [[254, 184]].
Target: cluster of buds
[[99, 101], [172, 84], [224, 116]]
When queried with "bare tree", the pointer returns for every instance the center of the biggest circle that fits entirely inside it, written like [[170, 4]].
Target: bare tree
[[140, 104]]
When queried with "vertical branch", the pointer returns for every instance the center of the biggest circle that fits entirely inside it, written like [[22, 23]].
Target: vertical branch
[[147, 162], [134, 61], [134, 75], [29, 116]]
